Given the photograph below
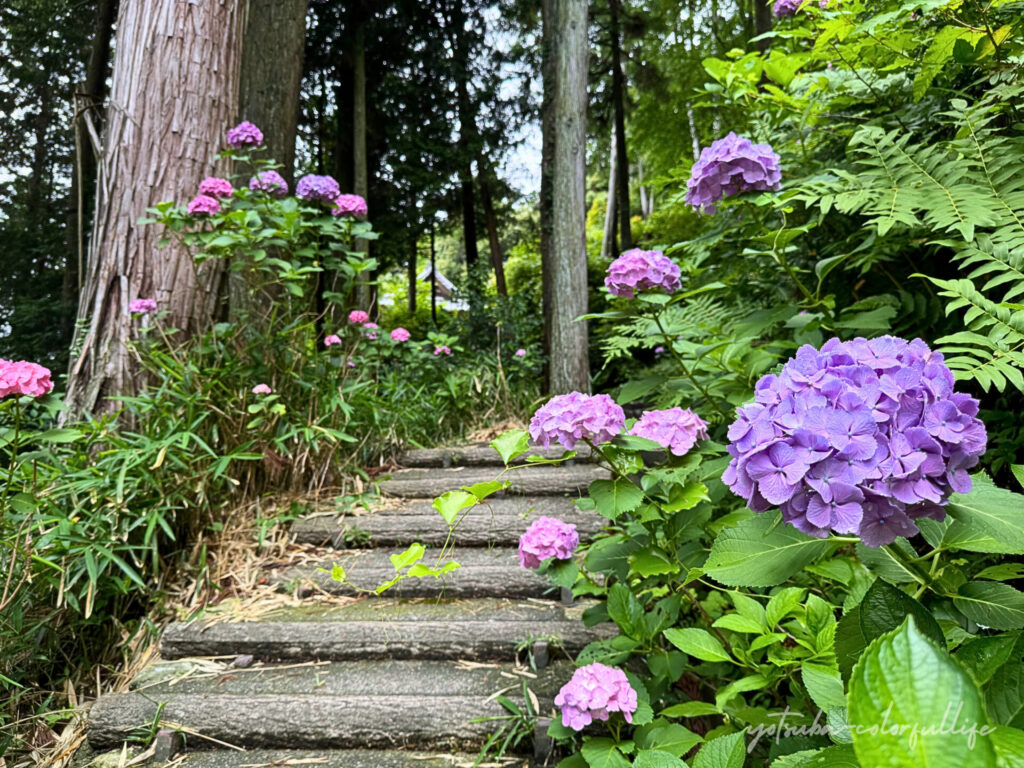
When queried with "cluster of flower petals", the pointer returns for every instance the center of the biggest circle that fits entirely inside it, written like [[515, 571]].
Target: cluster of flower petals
[[243, 135], [593, 693], [20, 377], [141, 306], [331, 340], [677, 429], [349, 205], [520, 353], [785, 8], [358, 317], [214, 186], [262, 389], [860, 437], [271, 182], [731, 165], [313, 188], [547, 537], [642, 270], [204, 205], [400, 334], [442, 349], [575, 416]]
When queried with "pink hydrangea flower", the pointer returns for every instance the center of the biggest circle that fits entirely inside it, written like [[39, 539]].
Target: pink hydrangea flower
[[570, 418], [547, 537], [245, 134], [331, 340], [399, 334], [351, 364], [315, 188], [677, 429], [370, 330], [593, 693], [729, 166], [349, 205], [358, 317], [262, 389], [659, 351], [271, 182], [204, 205], [214, 186], [520, 353], [142, 306], [23, 378], [642, 270], [442, 349]]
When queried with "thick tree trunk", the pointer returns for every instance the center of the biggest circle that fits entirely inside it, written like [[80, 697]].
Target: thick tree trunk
[[433, 276], [174, 93], [619, 106], [546, 201], [494, 242], [273, 45], [413, 252], [609, 247], [762, 22], [570, 369], [360, 170], [467, 134]]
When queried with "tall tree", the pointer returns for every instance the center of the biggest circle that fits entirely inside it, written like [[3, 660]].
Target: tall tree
[[484, 179], [175, 86], [567, 271], [608, 243], [619, 108]]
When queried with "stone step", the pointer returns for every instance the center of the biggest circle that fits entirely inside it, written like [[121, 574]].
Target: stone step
[[338, 758], [501, 521], [372, 705], [480, 629], [480, 454], [483, 573], [427, 483]]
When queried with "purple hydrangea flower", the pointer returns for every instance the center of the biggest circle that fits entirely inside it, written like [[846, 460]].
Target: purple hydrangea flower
[[243, 135], [204, 205], [593, 693], [271, 182], [787, 7], [142, 306], [570, 418], [677, 429], [641, 270], [730, 166], [214, 186], [349, 205], [322, 189], [547, 537], [860, 437]]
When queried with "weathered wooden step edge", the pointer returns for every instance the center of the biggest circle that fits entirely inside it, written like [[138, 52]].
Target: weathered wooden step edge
[[303, 721], [477, 630], [337, 758], [523, 481], [484, 573], [500, 521], [480, 454]]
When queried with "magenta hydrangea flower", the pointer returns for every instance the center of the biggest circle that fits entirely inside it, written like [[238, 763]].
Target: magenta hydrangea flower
[[859, 437], [730, 166], [520, 353], [262, 389], [593, 693], [243, 135], [785, 8], [19, 377], [349, 205], [442, 349], [358, 317], [677, 429], [204, 205], [323, 189], [214, 186], [400, 334], [331, 340], [547, 537], [642, 270], [271, 182], [570, 418], [370, 330], [141, 306]]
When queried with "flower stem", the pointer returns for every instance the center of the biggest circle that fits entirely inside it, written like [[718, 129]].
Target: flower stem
[[685, 369]]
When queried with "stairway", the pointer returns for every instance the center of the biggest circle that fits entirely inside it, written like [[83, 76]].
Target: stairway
[[374, 682]]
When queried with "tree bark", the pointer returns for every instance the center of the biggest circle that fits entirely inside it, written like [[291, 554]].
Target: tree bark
[[272, 49], [467, 134], [412, 276], [609, 248], [546, 201], [433, 276], [762, 22], [622, 156], [570, 369], [360, 171], [174, 92], [494, 242]]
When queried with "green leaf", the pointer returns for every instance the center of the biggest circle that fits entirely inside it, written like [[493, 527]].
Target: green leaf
[[624, 609], [603, 753], [652, 561], [1002, 572], [60, 436], [656, 758], [884, 608], [698, 643], [482, 490], [690, 709], [991, 604], [512, 444], [1009, 745], [782, 604], [575, 761], [824, 685], [840, 756], [983, 656], [903, 695], [724, 752], [761, 551], [615, 497], [686, 497], [562, 573], [995, 511], [411, 555], [672, 738], [450, 504]]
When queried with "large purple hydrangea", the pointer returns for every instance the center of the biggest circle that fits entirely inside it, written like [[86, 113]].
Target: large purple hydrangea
[[271, 182], [677, 429], [787, 7], [730, 166], [314, 188], [547, 537], [642, 270], [593, 693], [858, 437], [570, 418], [243, 135]]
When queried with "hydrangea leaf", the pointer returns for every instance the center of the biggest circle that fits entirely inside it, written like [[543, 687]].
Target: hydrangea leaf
[[511, 444], [672, 738], [724, 752], [604, 753], [624, 609], [824, 685], [690, 709], [656, 758], [983, 656], [758, 552], [905, 693], [885, 607], [990, 604], [841, 756], [994, 511], [698, 643], [615, 497]]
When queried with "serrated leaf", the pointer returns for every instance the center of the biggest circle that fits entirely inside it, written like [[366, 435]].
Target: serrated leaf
[[698, 643], [603, 753], [991, 604], [724, 752], [613, 498], [761, 551]]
